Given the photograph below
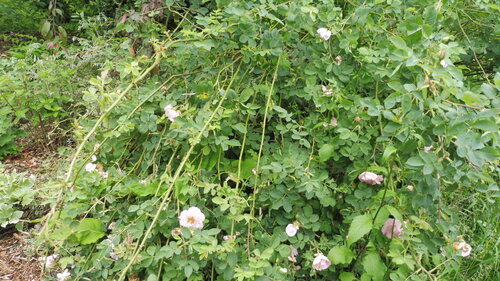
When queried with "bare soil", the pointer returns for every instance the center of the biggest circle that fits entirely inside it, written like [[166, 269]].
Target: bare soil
[[15, 263]]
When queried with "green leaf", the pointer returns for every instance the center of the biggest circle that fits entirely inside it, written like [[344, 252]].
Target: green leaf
[[373, 265], [396, 86], [347, 276], [207, 44], [398, 42], [340, 255], [394, 212], [325, 152], [89, 231], [240, 127], [188, 270], [486, 125], [471, 99], [389, 150], [360, 226], [246, 94], [488, 90], [497, 80], [44, 30], [415, 161], [377, 169]]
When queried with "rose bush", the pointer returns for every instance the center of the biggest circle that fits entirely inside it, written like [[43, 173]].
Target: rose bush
[[277, 122]]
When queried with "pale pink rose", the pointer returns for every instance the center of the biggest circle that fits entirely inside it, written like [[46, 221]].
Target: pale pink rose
[[112, 226], [192, 217], [90, 167], [321, 262], [334, 122], [171, 112], [466, 250], [324, 33], [291, 229], [294, 254], [427, 148], [63, 276], [392, 228], [284, 270], [226, 237], [370, 178]]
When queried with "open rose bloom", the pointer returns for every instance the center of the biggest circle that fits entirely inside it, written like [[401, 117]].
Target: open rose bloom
[[291, 229], [90, 167], [321, 262], [192, 217], [370, 178], [393, 228], [324, 33], [171, 112]]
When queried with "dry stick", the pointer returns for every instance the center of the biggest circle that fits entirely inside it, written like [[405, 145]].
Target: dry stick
[[464, 105], [166, 195], [255, 190]]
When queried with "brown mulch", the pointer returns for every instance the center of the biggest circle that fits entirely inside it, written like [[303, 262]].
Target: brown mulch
[[29, 159], [15, 263]]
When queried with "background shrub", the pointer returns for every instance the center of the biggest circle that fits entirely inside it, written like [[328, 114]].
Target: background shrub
[[276, 125]]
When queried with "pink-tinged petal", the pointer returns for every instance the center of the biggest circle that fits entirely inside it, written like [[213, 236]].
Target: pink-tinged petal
[[392, 228], [370, 178], [324, 33], [321, 262], [466, 250], [291, 229], [192, 217], [171, 112]]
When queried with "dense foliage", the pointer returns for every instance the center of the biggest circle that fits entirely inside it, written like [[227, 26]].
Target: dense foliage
[[279, 123]]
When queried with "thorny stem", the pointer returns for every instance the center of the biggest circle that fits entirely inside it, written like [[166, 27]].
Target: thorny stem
[[65, 186], [166, 195], [264, 123]]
